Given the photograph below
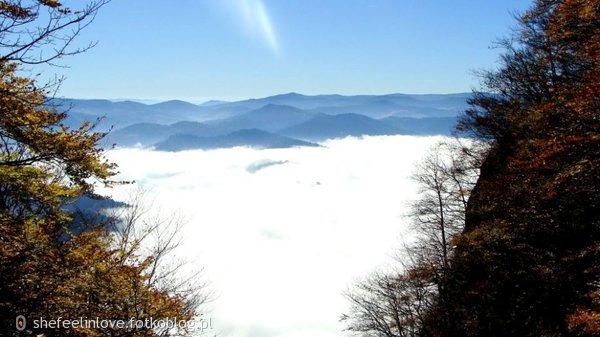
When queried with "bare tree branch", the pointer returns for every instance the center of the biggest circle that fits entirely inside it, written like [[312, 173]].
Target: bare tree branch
[[394, 304], [36, 32]]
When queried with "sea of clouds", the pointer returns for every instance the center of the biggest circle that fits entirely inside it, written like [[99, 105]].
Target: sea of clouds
[[281, 233]]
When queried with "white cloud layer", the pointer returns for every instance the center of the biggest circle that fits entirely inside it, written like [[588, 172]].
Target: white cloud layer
[[281, 233]]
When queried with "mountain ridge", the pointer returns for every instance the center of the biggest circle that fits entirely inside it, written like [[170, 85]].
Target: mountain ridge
[[134, 123], [254, 138]]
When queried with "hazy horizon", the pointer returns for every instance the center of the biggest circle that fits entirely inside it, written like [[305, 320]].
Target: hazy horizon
[[200, 101]]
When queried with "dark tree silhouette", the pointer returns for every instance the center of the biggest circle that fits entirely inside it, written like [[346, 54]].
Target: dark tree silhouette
[[527, 262]]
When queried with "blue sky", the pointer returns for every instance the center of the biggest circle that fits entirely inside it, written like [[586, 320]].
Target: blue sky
[[230, 49]]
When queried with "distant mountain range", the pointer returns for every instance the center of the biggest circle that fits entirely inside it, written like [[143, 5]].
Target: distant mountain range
[[276, 121], [323, 127], [246, 137]]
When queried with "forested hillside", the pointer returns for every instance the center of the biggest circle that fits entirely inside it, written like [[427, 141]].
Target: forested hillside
[[526, 261]]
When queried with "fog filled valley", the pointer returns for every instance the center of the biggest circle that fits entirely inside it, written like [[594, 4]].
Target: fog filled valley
[[339, 168], [282, 233]]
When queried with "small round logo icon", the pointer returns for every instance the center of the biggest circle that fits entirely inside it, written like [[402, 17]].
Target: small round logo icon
[[20, 322]]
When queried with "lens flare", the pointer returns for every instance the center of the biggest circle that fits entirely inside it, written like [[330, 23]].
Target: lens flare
[[257, 21]]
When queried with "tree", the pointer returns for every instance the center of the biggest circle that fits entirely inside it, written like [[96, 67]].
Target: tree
[[527, 261], [42, 161], [395, 304], [42, 31], [389, 304], [48, 269], [445, 178], [143, 242], [142, 228]]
